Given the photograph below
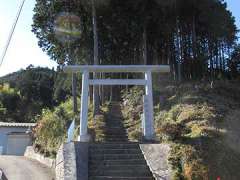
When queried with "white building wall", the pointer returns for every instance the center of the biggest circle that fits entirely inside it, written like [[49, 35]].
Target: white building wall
[[4, 131]]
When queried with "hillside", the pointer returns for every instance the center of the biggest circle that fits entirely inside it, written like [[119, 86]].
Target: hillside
[[19, 75], [200, 121], [23, 94]]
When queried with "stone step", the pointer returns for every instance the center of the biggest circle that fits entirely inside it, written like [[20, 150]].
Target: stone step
[[124, 173], [133, 167], [116, 140], [113, 128], [114, 119], [119, 178], [115, 131], [119, 162], [115, 156], [115, 122], [116, 135], [115, 125], [115, 151], [115, 145]]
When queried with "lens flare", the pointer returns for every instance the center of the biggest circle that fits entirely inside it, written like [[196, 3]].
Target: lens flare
[[67, 27]]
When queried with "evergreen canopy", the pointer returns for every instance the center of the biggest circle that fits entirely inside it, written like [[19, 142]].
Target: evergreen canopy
[[199, 35]]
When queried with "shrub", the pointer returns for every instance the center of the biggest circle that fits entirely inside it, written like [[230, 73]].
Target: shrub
[[51, 128], [172, 131]]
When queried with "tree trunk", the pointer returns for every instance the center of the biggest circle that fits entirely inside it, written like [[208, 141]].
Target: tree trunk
[[144, 45], [96, 102], [194, 39]]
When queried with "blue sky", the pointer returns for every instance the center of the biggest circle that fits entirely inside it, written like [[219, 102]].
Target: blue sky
[[24, 50]]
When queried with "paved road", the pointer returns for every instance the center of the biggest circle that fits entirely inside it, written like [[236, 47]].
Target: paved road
[[21, 168]]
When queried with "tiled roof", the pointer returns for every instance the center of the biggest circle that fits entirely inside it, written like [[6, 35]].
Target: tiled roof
[[5, 124]]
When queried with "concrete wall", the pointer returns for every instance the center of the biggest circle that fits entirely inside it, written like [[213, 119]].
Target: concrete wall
[[30, 153], [4, 131]]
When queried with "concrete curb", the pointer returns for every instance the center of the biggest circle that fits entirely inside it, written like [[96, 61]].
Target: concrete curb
[[30, 153]]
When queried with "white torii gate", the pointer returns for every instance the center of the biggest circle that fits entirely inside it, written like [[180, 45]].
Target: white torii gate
[[148, 124]]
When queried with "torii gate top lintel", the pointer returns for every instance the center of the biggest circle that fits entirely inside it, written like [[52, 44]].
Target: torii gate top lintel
[[117, 68], [148, 122]]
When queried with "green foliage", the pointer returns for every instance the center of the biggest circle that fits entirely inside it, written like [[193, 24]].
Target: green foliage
[[184, 30], [132, 108], [186, 163], [32, 90], [51, 130], [62, 88], [171, 131], [97, 124], [52, 126], [9, 103], [234, 64], [96, 127], [36, 84]]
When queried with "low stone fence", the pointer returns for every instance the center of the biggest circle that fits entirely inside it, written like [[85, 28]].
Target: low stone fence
[[30, 153]]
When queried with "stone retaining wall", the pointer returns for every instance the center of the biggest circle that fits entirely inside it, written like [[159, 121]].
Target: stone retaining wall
[[156, 156], [30, 153], [66, 162]]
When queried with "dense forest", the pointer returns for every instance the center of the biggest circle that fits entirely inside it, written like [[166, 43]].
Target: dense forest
[[25, 93], [196, 38]]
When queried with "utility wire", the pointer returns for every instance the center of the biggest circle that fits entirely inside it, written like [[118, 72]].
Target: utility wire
[[11, 33]]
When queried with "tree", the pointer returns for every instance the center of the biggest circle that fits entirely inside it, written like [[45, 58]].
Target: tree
[[96, 100], [25, 93], [186, 31], [234, 64]]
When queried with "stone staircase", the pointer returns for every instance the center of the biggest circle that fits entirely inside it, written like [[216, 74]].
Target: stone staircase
[[117, 158]]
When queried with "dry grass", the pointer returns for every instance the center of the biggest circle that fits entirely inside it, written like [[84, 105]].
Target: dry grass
[[96, 125], [202, 123]]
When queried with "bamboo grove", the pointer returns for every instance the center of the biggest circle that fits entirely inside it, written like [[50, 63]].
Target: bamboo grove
[[196, 38]]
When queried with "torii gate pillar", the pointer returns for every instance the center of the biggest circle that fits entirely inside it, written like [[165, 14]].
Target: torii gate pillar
[[83, 136], [148, 128]]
